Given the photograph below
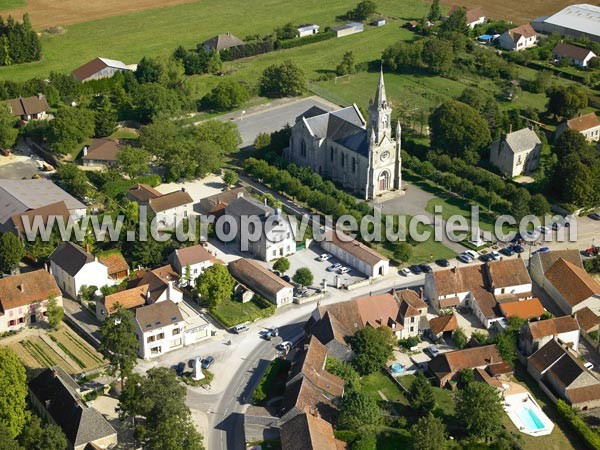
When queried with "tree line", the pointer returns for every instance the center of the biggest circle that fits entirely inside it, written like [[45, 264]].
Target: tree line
[[18, 42]]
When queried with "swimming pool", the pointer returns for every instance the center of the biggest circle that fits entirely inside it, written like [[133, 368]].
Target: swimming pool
[[530, 419]]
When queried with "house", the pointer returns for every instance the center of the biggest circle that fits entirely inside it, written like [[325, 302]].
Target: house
[[57, 398], [516, 153], [118, 269], [310, 387], [99, 68], [308, 30], [24, 298], [20, 196], [412, 314], [170, 209], [588, 320], [534, 335], [24, 223], [275, 239], [309, 432], [29, 108], [355, 254], [190, 262], [574, 54], [348, 29], [442, 327], [72, 267], [142, 194], [215, 204], [540, 262], [561, 375], [446, 366], [160, 328], [587, 124], [479, 287], [221, 42], [525, 309], [474, 16], [519, 38], [262, 281], [101, 152], [571, 287], [574, 21]]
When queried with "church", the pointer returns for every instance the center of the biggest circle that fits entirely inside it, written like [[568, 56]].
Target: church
[[341, 146]]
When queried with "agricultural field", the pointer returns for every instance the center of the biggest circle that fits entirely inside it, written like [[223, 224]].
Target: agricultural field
[[59, 347]]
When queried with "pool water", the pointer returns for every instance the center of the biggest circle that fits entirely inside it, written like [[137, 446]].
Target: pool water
[[530, 419]]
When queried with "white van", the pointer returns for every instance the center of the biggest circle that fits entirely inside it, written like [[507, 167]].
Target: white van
[[241, 328]]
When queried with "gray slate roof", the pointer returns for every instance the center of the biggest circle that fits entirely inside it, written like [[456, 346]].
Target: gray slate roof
[[70, 257], [522, 140], [18, 196], [57, 391], [158, 315], [248, 206], [344, 126]]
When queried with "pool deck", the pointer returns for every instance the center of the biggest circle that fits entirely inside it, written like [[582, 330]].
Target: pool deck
[[516, 398]]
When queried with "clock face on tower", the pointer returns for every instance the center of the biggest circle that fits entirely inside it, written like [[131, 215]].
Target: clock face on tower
[[385, 155]]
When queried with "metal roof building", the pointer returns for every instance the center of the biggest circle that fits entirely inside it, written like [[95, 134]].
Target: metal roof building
[[574, 21]]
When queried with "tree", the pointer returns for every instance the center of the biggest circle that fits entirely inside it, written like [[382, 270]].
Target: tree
[[224, 134], [434, 11], [459, 130], [72, 179], [367, 440], [55, 312], [36, 436], [574, 181], [456, 22], [569, 143], [230, 178], [282, 265], [479, 409], [8, 132], [12, 251], [464, 378], [119, 343], [105, 118], [347, 65], [303, 276], [362, 11], [154, 100], [288, 31], [402, 251], [227, 95], [538, 205], [7, 442], [282, 80], [13, 392], [215, 285], [345, 371], [459, 337], [421, 395], [357, 410], [133, 161], [438, 54], [566, 101], [429, 433], [70, 127], [373, 348]]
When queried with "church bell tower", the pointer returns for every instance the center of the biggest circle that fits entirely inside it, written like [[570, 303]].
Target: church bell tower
[[380, 113]]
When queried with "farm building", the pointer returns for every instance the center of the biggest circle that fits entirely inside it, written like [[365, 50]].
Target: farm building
[[356, 254], [100, 68], [348, 29], [574, 21], [308, 30]]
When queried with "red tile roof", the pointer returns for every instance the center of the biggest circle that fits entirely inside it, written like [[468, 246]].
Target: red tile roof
[[587, 319], [572, 282], [442, 324], [525, 309], [552, 327], [307, 432], [26, 288], [584, 123]]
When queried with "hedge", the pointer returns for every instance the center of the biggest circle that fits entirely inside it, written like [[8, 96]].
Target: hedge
[[591, 438], [297, 42]]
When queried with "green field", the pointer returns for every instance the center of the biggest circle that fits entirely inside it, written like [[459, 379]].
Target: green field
[[11, 4], [159, 31]]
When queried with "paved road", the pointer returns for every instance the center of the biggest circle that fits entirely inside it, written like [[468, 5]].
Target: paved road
[[272, 116]]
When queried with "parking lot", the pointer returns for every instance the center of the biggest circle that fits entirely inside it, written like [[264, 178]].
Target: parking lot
[[20, 164]]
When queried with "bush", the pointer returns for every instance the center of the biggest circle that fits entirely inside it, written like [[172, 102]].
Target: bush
[[268, 383], [577, 424], [409, 342]]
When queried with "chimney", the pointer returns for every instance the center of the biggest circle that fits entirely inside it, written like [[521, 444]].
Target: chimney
[[148, 296], [510, 128], [265, 201], [169, 289], [421, 293], [182, 189], [87, 248], [85, 150], [40, 95], [21, 288]]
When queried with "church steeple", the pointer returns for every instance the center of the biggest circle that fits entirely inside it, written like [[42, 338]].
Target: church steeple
[[380, 112]]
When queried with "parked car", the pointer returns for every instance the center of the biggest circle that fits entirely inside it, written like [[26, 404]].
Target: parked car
[[426, 268], [274, 331], [343, 270], [471, 253], [541, 250], [405, 271], [588, 365], [324, 257], [495, 255], [285, 345], [517, 249], [443, 262], [464, 258], [241, 328], [207, 362], [286, 278], [268, 335], [334, 267], [532, 234], [507, 251], [433, 351], [416, 269], [594, 216], [543, 229], [180, 368]]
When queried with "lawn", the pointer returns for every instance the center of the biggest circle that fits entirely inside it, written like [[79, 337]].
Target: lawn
[[379, 382], [232, 312], [129, 37]]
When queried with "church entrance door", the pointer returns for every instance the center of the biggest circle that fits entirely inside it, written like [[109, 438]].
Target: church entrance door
[[384, 181]]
